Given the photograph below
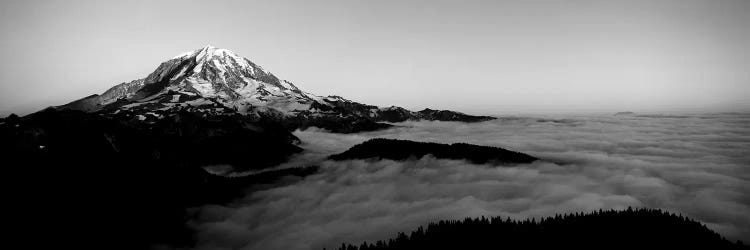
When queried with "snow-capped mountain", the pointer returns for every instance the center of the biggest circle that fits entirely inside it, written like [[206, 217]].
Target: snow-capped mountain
[[217, 81], [216, 74]]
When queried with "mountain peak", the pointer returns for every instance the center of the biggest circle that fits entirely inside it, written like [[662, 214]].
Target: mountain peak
[[206, 52], [210, 51], [218, 81], [223, 75]]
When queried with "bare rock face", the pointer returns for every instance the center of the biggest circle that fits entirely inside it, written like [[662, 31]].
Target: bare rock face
[[122, 90]]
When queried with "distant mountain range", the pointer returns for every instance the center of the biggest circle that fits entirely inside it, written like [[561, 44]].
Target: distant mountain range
[[217, 82]]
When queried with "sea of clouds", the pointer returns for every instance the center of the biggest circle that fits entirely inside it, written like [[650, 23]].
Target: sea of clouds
[[696, 165]]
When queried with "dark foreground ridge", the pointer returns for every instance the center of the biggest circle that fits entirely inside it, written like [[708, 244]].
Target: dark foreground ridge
[[393, 149], [627, 229], [89, 181]]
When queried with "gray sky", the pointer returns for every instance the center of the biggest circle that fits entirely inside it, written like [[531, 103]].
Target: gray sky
[[492, 57]]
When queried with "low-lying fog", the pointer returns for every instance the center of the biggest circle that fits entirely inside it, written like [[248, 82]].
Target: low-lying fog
[[697, 165]]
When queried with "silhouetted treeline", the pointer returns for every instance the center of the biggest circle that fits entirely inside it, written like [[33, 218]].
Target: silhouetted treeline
[[393, 149], [626, 229]]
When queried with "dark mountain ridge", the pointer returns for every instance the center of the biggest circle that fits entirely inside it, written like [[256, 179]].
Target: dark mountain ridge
[[125, 183], [392, 149]]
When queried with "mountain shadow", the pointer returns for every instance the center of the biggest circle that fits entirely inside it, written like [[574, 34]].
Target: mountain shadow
[[392, 149], [627, 229]]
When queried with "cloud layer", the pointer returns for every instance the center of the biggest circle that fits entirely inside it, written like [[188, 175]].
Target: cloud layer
[[697, 165]]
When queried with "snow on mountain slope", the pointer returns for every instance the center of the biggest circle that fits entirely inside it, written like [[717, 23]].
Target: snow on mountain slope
[[227, 77], [202, 79]]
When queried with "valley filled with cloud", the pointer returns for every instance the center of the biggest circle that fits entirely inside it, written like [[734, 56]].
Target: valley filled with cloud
[[696, 165]]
